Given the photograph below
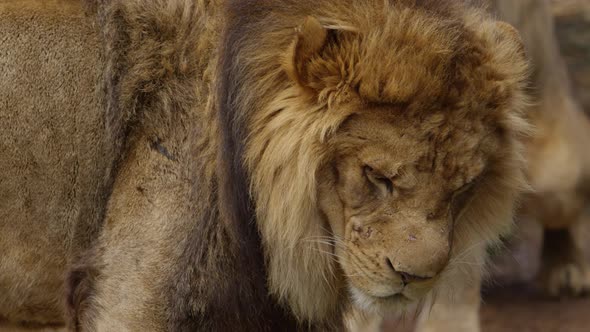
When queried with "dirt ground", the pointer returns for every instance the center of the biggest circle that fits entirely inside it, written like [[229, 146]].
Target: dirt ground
[[520, 308]]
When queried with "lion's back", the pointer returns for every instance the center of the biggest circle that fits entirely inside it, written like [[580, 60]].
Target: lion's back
[[51, 147]]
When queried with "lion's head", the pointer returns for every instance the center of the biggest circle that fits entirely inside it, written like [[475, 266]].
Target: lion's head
[[383, 151]]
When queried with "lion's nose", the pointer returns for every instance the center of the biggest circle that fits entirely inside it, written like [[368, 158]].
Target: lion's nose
[[405, 276]]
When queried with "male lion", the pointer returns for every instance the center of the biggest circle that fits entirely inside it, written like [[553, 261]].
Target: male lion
[[213, 165]]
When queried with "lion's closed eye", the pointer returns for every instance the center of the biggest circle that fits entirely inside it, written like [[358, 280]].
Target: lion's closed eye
[[382, 183]]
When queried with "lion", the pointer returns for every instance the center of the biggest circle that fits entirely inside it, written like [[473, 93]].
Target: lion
[[262, 165]]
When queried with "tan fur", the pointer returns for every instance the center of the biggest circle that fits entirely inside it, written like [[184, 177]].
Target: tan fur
[[49, 72], [428, 94], [558, 164]]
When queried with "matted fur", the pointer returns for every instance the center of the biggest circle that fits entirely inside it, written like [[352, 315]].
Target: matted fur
[[217, 140]]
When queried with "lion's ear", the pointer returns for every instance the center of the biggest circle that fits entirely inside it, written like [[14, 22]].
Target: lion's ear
[[311, 38]]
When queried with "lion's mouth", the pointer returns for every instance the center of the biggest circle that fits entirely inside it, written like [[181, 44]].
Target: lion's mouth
[[393, 297], [374, 302], [397, 299]]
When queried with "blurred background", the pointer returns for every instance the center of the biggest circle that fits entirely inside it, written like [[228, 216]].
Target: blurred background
[[572, 20], [513, 301]]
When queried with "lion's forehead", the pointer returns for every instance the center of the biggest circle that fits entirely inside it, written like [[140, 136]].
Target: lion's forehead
[[453, 146], [458, 153]]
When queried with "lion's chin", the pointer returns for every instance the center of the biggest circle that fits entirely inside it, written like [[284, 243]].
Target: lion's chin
[[381, 305]]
